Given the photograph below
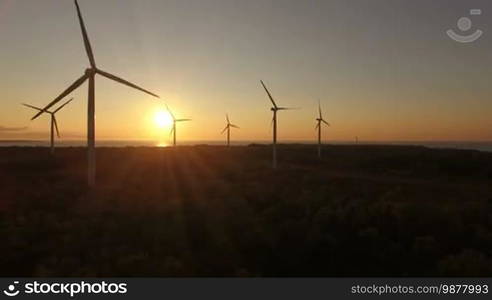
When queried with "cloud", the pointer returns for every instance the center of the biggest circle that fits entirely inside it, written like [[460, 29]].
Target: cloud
[[10, 129]]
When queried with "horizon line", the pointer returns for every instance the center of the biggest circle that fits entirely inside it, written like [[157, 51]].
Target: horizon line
[[262, 140]]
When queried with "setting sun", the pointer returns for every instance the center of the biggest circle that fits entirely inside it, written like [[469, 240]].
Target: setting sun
[[163, 119]]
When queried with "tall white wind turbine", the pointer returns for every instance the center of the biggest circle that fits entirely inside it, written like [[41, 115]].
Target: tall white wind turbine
[[90, 74], [319, 121], [173, 130], [54, 123], [274, 109], [228, 128]]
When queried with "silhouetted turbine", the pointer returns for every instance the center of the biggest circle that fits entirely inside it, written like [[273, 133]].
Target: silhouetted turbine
[[54, 123], [320, 120], [90, 74], [173, 130], [274, 109], [228, 128]]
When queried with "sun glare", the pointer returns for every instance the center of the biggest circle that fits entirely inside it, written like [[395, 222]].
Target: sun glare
[[163, 119], [162, 145]]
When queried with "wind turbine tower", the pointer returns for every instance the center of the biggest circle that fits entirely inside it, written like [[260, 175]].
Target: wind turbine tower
[[173, 130], [274, 109], [228, 128], [90, 75], [319, 123], [54, 123]]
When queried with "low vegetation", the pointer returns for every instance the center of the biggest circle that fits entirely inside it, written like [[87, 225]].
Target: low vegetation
[[214, 211]]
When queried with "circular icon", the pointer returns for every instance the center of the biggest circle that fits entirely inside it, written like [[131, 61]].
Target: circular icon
[[464, 24], [11, 292]]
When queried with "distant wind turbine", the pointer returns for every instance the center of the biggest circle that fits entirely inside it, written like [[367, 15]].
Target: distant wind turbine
[[54, 123], [90, 74], [173, 130], [274, 109], [228, 128], [319, 121]]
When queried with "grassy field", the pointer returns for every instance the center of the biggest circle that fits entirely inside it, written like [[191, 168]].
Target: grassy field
[[214, 211]]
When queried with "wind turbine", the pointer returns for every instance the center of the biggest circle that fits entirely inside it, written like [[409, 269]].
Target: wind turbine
[[173, 130], [274, 109], [319, 121], [90, 74], [54, 123], [228, 128]]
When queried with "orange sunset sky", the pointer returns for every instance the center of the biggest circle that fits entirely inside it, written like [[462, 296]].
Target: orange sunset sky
[[384, 70]]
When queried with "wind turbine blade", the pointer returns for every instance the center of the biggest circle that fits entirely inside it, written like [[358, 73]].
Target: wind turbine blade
[[171, 132], [170, 112], [288, 108], [87, 44], [319, 107], [33, 107], [317, 126], [56, 126], [269, 95], [227, 118], [122, 81], [74, 85], [182, 120], [224, 129], [59, 108], [232, 125], [325, 122]]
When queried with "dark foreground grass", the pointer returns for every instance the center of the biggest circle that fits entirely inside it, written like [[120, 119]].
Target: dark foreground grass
[[213, 211]]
